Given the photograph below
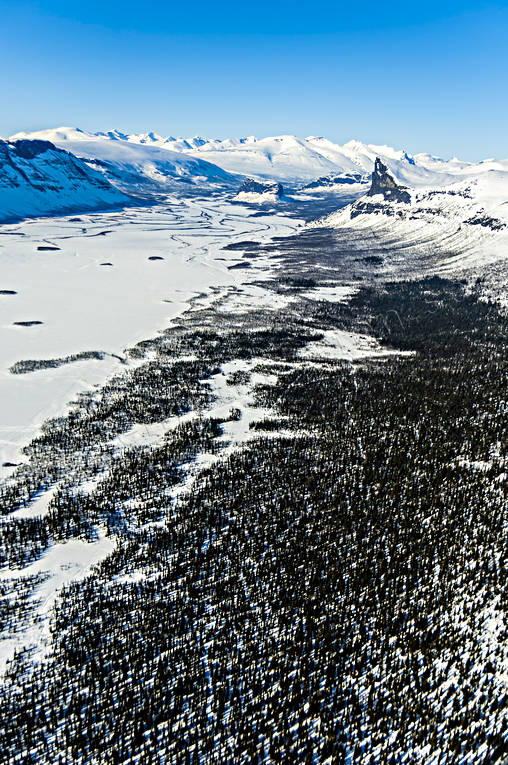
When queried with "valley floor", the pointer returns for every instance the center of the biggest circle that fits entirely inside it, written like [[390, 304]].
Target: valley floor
[[275, 531], [99, 283]]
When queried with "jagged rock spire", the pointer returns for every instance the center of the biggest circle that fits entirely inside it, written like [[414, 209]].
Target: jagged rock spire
[[383, 183]]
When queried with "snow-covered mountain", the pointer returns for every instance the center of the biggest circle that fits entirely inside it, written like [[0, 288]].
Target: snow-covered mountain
[[464, 223], [37, 178], [149, 160], [290, 159], [136, 167], [286, 158]]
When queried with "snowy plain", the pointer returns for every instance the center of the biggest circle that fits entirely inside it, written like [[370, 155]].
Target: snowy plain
[[115, 279], [102, 282], [105, 281]]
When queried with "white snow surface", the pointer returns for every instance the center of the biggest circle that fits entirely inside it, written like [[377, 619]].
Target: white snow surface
[[348, 346], [61, 564], [254, 197], [337, 293]]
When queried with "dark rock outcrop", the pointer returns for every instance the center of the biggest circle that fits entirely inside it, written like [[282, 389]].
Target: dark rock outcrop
[[345, 179], [383, 183], [28, 149], [486, 221], [256, 187], [374, 208]]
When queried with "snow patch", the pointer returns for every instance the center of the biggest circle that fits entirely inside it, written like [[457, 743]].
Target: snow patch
[[337, 344], [62, 564]]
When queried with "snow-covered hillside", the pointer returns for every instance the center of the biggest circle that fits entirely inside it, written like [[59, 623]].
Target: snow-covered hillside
[[464, 223], [134, 167], [37, 178]]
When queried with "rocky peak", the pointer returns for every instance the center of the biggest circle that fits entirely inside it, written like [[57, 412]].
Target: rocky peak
[[383, 183]]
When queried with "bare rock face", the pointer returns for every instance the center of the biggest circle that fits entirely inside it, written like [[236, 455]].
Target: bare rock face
[[27, 149], [383, 183]]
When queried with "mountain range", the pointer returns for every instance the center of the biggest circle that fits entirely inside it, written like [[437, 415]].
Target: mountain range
[[144, 165], [135, 168], [285, 158]]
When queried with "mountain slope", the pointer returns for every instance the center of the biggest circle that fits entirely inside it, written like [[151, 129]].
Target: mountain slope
[[37, 178], [136, 168], [457, 227]]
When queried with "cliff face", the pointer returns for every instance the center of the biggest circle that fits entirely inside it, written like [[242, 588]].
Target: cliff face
[[383, 183]]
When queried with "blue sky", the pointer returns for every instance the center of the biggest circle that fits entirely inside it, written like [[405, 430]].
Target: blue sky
[[431, 78]]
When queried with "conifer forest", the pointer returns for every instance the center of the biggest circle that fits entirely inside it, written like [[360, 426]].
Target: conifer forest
[[312, 573]]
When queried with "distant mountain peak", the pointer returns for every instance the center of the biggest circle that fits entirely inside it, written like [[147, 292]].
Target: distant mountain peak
[[355, 144]]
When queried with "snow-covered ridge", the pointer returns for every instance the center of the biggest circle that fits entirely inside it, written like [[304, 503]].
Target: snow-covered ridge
[[480, 200], [159, 162], [284, 158], [134, 167], [463, 224], [37, 178]]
